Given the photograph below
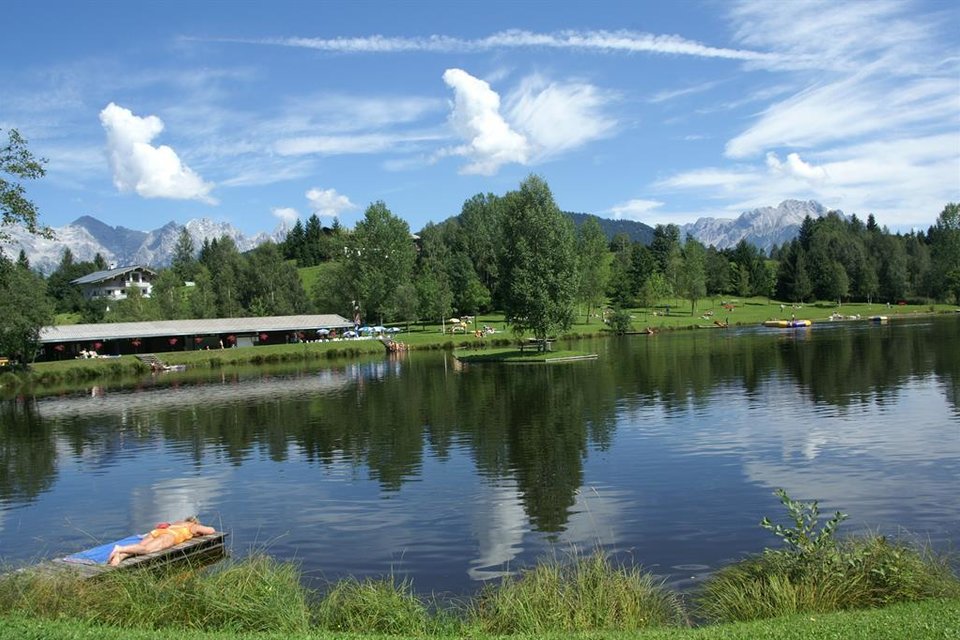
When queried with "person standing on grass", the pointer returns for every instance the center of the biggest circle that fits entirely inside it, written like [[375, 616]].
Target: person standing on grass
[[166, 535]]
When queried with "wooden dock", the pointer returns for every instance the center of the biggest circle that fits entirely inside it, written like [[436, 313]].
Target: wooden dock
[[197, 550]]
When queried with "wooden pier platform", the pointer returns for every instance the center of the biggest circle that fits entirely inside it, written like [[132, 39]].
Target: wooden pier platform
[[197, 550]]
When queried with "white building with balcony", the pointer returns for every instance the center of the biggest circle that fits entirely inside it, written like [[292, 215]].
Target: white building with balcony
[[112, 284]]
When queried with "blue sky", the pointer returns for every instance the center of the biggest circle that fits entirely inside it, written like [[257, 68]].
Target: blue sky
[[254, 113]]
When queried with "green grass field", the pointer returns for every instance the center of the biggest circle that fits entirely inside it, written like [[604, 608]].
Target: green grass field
[[931, 620]]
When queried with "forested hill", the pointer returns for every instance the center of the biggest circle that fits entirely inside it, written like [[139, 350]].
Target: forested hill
[[637, 231]]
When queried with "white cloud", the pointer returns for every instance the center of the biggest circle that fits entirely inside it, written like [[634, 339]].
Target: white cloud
[[490, 141], [328, 203], [599, 41], [874, 102], [333, 145], [904, 182], [634, 209], [540, 120], [287, 215], [556, 116], [849, 108], [152, 172], [254, 171], [350, 144], [667, 95], [795, 167], [839, 36]]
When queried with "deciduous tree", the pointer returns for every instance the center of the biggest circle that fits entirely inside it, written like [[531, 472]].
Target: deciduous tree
[[382, 255], [18, 163], [24, 310], [694, 276], [594, 265], [538, 265]]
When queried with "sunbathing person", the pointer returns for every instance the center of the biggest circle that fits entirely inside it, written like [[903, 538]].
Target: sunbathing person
[[163, 537]]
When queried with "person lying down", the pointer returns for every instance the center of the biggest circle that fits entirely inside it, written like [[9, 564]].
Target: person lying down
[[164, 536]]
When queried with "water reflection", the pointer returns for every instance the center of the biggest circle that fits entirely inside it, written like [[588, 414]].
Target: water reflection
[[664, 449]]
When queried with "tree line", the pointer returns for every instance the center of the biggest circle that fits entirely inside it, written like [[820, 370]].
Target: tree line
[[516, 253], [519, 254]]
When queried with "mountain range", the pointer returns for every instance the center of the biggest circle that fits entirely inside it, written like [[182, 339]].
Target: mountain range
[[764, 227], [86, 236]]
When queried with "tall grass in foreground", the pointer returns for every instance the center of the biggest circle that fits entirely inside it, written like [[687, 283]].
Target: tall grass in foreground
[[585, 595], [814, 574], [373, 606], [818, 574], [256, 594]]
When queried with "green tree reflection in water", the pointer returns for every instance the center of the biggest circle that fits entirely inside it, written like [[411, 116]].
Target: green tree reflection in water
[[532, 425], [28, 452]]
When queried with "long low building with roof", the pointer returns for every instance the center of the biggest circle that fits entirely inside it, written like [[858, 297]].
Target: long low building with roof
[[120, 338]]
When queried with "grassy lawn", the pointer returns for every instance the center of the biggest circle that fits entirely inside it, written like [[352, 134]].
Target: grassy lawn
[[677, 314], [309, 275], [939, 619]]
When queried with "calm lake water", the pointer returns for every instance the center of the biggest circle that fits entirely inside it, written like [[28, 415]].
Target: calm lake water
[[665, 452]]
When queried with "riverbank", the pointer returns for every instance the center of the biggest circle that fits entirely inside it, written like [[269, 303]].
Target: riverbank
[[936, 619], [644, 321]]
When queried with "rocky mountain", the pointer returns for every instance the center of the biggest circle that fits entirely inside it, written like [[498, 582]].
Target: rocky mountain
[[86, 236], [763, 227]]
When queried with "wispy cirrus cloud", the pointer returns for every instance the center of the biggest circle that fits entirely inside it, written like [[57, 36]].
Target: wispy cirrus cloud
[[835, 36], [904, 180], [597, 41], [849, 108], [636, 209], [873, 112], [541, 119], [672, 94], [879, 73], [557, 116]]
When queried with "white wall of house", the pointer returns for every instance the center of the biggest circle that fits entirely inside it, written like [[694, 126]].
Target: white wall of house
[[115, 288]]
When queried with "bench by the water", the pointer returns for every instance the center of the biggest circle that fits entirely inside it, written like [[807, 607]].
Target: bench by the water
[[546, 344], [197, 550]]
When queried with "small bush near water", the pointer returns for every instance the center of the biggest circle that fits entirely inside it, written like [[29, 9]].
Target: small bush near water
[[817, 573], [585, 595], [373, 606]]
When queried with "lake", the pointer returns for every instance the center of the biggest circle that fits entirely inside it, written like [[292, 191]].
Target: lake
[[665, 452]]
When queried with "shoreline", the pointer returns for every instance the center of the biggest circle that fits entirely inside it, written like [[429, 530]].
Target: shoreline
[[46, 375]]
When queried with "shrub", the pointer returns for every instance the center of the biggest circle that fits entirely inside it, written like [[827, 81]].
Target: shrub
[[587, 594], [372, 606], [620, 322], [815, 573], [258, 594], [9, 380]]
